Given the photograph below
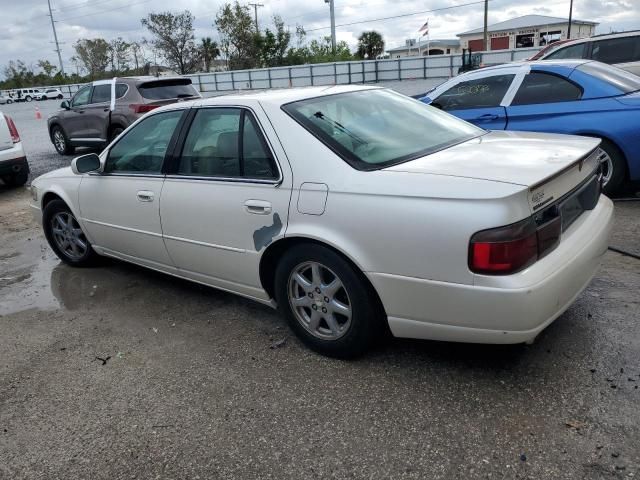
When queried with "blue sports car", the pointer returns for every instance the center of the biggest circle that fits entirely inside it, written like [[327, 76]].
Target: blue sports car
[[577, 97]]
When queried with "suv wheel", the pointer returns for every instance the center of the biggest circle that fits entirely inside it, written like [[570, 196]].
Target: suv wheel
[[60, 97], [43, 97], [60, 141], [28, 98], [65, 236], [115, 131], [327, 303]]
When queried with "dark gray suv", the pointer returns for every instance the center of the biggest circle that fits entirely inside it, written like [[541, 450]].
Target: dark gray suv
[[92, 118]]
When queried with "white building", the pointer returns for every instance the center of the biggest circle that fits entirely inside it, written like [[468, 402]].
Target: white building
[[431, 47], [526, 32]]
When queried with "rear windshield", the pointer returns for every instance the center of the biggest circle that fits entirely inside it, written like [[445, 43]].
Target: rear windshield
[[625, 81], [166, 89], [373, 129]]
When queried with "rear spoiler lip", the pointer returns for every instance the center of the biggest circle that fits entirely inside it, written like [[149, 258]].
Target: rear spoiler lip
[[564, 170]]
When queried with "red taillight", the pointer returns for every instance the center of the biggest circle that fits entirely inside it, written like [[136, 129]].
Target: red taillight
[[12, 129], [142, 108], [506, 250]]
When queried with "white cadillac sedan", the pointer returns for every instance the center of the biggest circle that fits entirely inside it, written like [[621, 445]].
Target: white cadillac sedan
[[351, 209]]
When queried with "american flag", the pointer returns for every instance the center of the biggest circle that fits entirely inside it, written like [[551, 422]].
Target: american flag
[[424, 30]]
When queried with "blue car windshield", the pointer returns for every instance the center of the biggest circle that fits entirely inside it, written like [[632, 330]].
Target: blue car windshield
[[624, 81], [373, 129]]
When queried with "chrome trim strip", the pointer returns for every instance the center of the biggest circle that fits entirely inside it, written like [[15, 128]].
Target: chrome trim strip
[[87, 140], [223, 179], [204, 244], [119, 227]]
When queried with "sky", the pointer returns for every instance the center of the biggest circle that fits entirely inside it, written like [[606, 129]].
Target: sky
[[27, 34]]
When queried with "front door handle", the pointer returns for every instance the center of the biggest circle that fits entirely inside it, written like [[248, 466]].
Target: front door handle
[[258, 207], [145, 196], [488, 116]]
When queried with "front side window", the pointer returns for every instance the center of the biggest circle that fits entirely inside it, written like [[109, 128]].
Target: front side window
[[225, 142], [540, 87], [617, 50], [101, 94], [143, 148], [82, 97], [479, 93], [572, 51], [373, 129]]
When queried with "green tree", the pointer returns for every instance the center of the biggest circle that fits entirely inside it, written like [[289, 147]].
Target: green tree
[[274, 45], [208, 51], [47, 67], [120, 54], [94, 54], [173, 38], [239, 40], [370, 45]]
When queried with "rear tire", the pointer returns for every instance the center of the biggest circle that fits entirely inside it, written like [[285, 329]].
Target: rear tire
[[614, 167], [65, 236], [60, 141], [114, 132], [60, 97], [342, 319], [16, 179], [27, 98]]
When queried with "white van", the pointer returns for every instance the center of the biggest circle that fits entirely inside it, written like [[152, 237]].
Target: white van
[[25, 94]]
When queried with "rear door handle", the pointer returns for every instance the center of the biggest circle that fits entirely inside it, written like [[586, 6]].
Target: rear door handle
[[145, 196], [258, 207]]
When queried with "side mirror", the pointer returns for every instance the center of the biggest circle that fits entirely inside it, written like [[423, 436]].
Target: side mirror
[[86, 163], [65, 105]]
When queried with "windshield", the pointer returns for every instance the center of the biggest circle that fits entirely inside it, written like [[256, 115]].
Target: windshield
[[625, 81], [373, 129]]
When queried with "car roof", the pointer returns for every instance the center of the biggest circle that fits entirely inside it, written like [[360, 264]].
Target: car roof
[[569, 63]]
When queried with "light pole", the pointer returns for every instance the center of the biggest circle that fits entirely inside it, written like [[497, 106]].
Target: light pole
[[55, 37], [333, 25], [570, 16], [255, 13]]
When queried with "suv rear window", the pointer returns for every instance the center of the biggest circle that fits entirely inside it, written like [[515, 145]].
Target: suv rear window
[[166, 89], [617, 50], [625, 81]]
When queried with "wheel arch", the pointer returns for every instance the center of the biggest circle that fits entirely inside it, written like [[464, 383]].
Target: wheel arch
[[615, 143], [55, 192], [274, 252]]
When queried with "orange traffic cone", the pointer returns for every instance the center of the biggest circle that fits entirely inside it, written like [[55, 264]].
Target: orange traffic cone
[[38, 114]]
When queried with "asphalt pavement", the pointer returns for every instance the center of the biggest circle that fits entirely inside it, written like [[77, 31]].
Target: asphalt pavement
[[118, 372]]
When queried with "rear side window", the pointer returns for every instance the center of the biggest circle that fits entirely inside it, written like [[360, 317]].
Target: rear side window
[[101, 93], [225, 142], [627, 82], [478, 93], [572, 51], [143, 148], [121, 89], [167, 89], [617, 50], [539, 87]]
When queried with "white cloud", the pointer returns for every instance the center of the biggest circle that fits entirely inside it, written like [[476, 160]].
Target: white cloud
[[29, 36]]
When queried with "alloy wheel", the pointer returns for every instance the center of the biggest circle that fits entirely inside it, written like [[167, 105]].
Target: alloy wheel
[[607, 165], [319, 300], [59, 141], [68, 235]]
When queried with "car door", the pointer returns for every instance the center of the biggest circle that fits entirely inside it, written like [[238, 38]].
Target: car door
[[543, 102], [478, 100], [97, 112], [226, 198], [74, 121], [120, 207]]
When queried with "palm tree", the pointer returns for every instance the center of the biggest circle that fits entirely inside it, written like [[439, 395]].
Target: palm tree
[[209, 51], [370, 45]]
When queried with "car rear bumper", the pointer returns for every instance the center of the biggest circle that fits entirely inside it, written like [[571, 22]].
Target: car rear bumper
[[506, 309], [13, 160]]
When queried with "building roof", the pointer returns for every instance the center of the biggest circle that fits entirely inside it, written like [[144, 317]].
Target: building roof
[[526, 21], [450, 42]]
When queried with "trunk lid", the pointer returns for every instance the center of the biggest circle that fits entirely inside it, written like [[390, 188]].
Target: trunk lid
[[548, 165], [6, 141]]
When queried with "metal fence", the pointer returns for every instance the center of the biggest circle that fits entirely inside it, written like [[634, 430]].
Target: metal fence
[[437, 68]]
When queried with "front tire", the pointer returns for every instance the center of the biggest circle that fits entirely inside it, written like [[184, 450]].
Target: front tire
[[60, 141], [614, 167], [60, 97], [327, 302], [115, 131], [65, 236], [27, 98]]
